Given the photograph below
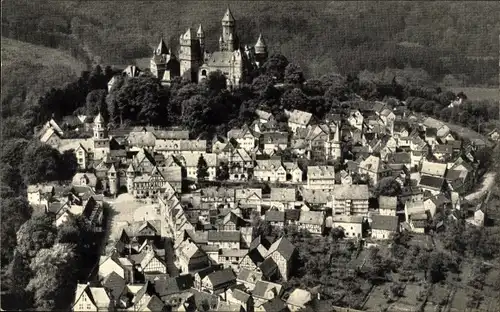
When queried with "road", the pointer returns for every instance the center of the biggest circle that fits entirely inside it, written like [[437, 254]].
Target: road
[[487, 183]]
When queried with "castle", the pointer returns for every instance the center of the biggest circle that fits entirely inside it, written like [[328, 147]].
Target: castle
[[194, 63]]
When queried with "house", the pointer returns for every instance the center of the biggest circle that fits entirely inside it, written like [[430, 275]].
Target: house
[[190, 162], [218, 281], [435, 203], [298, 299], [459, 181], [355, 119], [149, 263], [113, 263], [225, 240], [400, 158], [320, 177], [477, 219], [153, 304], [231, 258], [312, 221], [239, 297], [384, 226], [352, 225], [271, 170], [274, 305], [374, 168], [264, 117], [282, 198], [275, 218], [387, 117], [442, 152], [419, 151], [190, 257], [387, 205], [271, 142], [432, 184], [265, 291], [248, 198], [88, 178], [418, 222], [401, 129], [298, 119], [244, 136], [351, 199], [433, 169], [257, 252], [91, 299], [293, 172], [248, 278], [239, 164], [270, 270], [292, 216], [282, 252]]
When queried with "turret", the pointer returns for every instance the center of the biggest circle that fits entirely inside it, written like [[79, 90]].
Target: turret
[[190, 55], [260, 50], [200, 34], [228, 25], [162, 48], [221, 44], [161, 56], [113, 180]]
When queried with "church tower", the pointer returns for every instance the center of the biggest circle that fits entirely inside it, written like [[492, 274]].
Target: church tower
[[159, 61], [228, 32], [113, 180], [189, 55], [260, 51], [130, 179], [101, 140]]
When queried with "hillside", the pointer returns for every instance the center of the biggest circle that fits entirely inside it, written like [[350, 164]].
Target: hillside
[[444, 38], [29, 70]]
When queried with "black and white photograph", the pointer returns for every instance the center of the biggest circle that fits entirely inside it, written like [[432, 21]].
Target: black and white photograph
[[250, 156]]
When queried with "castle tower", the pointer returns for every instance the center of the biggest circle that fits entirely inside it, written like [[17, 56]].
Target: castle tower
[[200, 34], [260, 50], [130, 179], [159, 61], [228, 30], [221, 44], [101, 140], [189, 55], [230, 42], [113, 180]]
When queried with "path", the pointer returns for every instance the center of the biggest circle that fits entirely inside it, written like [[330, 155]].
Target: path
[[486, 184]]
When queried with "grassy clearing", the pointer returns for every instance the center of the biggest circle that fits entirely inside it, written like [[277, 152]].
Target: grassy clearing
[[478, 94]]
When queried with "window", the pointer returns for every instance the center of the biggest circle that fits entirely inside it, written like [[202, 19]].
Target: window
[[203, 72]]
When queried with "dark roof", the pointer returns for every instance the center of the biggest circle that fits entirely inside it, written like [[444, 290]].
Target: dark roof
[[173, 285], [155, 304], [226, 236], [443, 148], [399, 158], [268, 267], [430, 132], [389, 223], [431, 182], [275, 305], [221, 277], [292, 214], [275, 216], [115, 284]]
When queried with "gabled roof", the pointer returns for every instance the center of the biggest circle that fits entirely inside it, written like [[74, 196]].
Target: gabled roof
[[282, 246], [283, 194], [115, 284], [225, 236], [275, 216], [299, 298], [173, 285], [299, 117], [228, 16], [387, 202], [323, 172], [380, 222], [249, 276], [431, 182], [221, 277], [312, 217], [268, 268]]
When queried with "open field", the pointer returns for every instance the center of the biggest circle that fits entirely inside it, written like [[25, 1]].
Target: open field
[[14, 51], [478, 94]]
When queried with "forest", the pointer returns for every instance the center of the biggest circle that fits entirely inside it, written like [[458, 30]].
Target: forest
[[455, 43]]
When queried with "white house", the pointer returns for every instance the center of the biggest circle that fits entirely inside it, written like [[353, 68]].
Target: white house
[[384, 226]]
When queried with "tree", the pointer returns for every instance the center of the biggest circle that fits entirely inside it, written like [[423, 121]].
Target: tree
[[40, 163], [387, 187], [96, 102], [68, 165], [293, 74], [52, 284], [216, 82], [12, 150], [275, 66], [15, 211], [202, 171], [36, 233], [294, 99], [11, 181], [223, 172], [17, 277]]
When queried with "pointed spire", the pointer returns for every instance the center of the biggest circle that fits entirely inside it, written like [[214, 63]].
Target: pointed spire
[[130, 169], [98, 118], [200, 33], [228, 17], [260, 42], [112, 169], [188, 35], [162, 48]]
